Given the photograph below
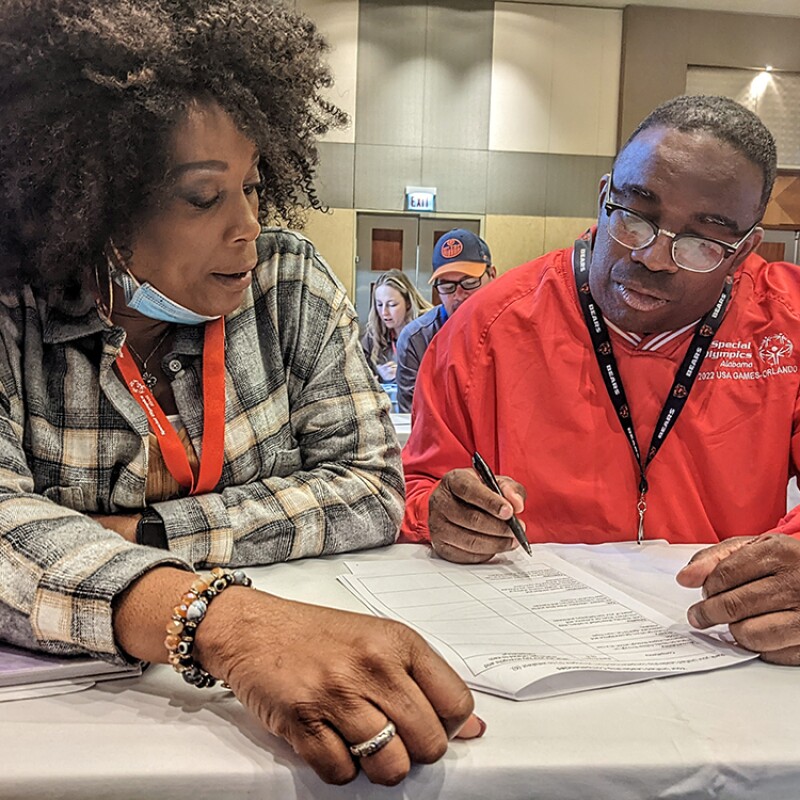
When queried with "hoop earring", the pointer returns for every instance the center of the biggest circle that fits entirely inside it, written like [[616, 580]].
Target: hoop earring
[[106, 308]]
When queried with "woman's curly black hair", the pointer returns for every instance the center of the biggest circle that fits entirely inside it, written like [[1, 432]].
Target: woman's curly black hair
[[89, 92]]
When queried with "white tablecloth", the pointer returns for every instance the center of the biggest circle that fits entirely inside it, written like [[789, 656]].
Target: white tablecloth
[[729, 734], [402, 426]]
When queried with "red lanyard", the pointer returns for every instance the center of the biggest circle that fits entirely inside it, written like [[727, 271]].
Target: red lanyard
[[172, 450]]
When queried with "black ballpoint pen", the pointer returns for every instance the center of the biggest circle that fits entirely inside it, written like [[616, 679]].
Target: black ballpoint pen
[[487, 477]]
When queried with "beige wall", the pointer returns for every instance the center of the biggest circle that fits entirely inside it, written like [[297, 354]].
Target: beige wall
[[654, 62], [555, 72], [334, 234], [337, 20], [563, 231], [553, 90], [545, 96], [514, 240]]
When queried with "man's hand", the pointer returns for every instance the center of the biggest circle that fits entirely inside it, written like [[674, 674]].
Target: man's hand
[[468, 522], [325, 679], [753, 585]]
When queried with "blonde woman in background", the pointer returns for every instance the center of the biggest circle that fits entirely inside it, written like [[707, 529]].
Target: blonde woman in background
[[395, 302]]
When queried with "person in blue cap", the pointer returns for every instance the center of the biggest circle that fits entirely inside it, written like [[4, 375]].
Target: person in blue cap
[[462, 264]]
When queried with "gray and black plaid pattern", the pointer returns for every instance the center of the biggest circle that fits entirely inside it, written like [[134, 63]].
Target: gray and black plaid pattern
[[312, 464]]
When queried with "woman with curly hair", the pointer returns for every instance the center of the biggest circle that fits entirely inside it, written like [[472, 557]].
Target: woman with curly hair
[[395, 302], [182, 387]]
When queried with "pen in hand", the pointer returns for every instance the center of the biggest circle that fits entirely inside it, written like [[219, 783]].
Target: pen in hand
[[487, 477]]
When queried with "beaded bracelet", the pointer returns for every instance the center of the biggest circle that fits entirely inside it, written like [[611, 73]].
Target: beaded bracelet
[[188, 614]]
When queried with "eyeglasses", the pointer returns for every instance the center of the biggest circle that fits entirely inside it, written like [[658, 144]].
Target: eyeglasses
[[467, 284], [689, 252]]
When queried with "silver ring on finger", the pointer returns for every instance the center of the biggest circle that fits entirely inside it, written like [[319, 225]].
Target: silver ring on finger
[[376, 743]]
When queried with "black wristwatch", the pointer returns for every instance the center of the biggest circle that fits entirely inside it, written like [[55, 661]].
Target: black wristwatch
[[150, 530]]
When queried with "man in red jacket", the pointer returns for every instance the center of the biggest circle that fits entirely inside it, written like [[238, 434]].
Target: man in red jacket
[[641, 385]]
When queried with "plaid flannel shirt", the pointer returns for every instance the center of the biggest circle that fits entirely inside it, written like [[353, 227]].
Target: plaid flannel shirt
[[312, 464]]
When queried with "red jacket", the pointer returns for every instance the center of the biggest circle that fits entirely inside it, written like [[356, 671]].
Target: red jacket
[[513, 375]]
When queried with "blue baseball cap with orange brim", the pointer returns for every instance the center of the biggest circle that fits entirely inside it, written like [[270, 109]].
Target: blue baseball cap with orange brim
[[460, 250]]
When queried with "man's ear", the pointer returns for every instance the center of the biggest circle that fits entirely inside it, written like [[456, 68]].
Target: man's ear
[[491, 271], [601, 194], [753, 241]]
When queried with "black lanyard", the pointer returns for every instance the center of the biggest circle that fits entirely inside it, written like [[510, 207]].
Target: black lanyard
[[681, 386]]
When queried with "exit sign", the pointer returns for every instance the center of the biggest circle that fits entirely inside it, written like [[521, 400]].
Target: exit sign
[[420, 198]]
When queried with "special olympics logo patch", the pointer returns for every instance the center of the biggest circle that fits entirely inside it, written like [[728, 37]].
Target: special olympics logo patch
[[451, 248], [775, 348]]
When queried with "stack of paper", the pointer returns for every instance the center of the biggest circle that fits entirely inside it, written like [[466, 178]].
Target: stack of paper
[[535, 627], [24, 674]]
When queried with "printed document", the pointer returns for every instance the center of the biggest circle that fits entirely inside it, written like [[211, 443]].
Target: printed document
[[534, 627], [25, 674]]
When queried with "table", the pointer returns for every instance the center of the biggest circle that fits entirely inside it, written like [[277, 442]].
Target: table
[[730, 734], [402, 426]]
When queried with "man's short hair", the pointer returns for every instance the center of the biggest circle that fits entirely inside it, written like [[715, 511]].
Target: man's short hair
[[724, 118]]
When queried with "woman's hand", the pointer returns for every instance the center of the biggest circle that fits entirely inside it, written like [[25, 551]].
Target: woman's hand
[[325, 679], [123, 524], [387, 372]]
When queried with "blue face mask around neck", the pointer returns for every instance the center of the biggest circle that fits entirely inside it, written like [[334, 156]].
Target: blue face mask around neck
[[150, 302]]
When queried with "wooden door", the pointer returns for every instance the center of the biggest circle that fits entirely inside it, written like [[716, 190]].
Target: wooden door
[[383, 242]]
